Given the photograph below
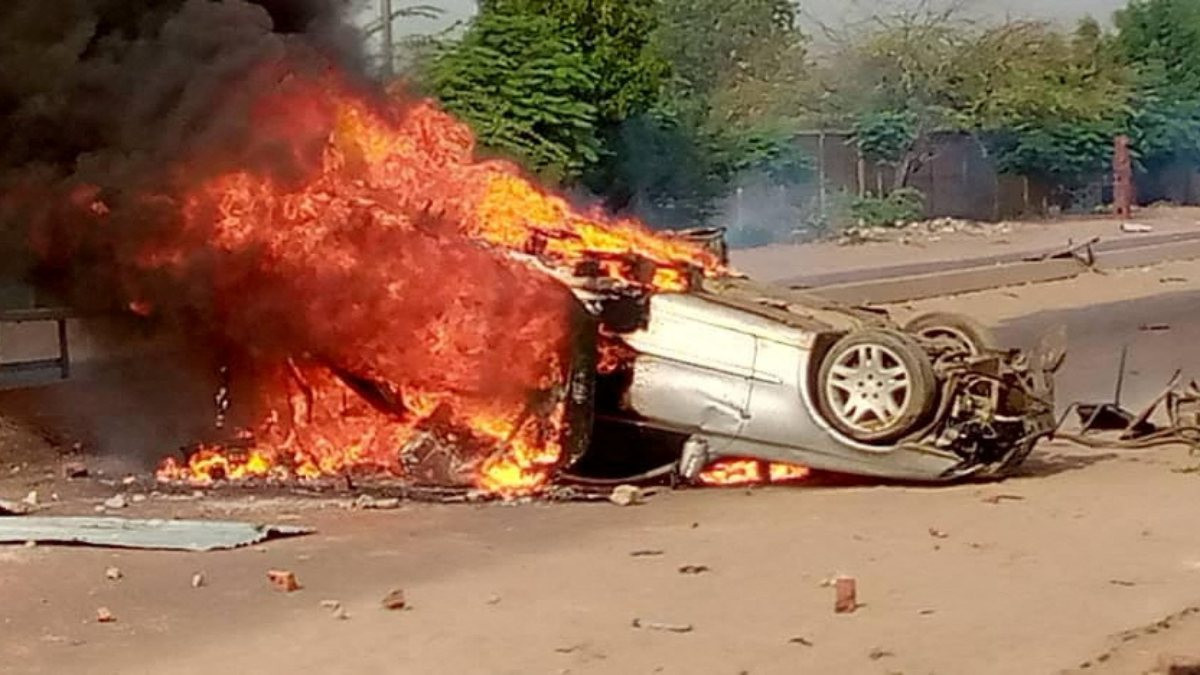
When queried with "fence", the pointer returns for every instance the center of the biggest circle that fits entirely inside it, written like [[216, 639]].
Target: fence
[[960, 180]]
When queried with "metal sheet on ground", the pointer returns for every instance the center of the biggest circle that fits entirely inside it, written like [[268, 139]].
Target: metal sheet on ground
[[170, 535]]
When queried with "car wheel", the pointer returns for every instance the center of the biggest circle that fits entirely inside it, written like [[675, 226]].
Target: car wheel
[[876, 386], [966, 333]]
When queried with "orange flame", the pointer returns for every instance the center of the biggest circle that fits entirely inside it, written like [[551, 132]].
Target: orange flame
[[390, 259], [739, 472]]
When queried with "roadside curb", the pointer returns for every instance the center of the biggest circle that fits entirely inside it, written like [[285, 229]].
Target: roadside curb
[[890, 285]]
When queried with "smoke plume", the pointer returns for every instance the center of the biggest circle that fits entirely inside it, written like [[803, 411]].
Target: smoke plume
[[110, 93]]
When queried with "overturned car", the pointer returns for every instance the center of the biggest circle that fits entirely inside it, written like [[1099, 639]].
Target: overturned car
[[736, 369], [656, 382]]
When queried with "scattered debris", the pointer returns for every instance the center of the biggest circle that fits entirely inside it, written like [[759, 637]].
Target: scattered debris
[[997, 499], [626, 495], [113, 574], [8, 508], [938, 534], [284, 580], [846, 599], [335, 609], [493, 599], [116, 502], [668, 627], [800, 641], [571, 649], [646, 553], [1136, 228], [694, 569], [31, 499], [1172, 280], [877, 654], [395, 600], [103, 615], [74, 470], [917, 233], [129, 480], [138, 499], [199, 580], [174, 535], [1169, 664], [367, 502]]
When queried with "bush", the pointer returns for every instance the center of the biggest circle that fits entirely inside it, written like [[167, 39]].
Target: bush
[[901, 206]]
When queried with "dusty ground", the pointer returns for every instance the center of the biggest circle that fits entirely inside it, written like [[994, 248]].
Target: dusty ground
[[1085, 547], [1076, 562], [779, 262]]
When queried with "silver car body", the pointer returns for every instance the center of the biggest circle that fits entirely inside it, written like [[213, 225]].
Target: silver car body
[[739, 381], [731, 366]]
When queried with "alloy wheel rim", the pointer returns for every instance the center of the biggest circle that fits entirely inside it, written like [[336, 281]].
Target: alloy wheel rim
[[869, 388]]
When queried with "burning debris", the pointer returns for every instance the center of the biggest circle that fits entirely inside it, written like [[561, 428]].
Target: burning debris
[[397, 307], [443, 360]]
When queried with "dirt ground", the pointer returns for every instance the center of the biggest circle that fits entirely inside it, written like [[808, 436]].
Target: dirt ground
[[1084, 547], [1088, 562]]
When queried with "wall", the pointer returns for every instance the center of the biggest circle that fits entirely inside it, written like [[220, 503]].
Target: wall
[[959, 180]]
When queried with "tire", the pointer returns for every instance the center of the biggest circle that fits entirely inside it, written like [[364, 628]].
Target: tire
[[969, 334], [876, 386]]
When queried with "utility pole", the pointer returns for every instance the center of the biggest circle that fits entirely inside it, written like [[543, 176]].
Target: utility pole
[[389, 56]]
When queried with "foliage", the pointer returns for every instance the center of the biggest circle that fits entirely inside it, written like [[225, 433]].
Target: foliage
[[1042, 99], [1160, 41], [727, 111], [547, 81], [735, 59], [1068, 152], [886, 135], [900, 206], [613, 37], [525, 88], [1048, 104]]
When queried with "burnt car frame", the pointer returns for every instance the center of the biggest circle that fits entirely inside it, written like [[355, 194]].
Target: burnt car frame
[[737, 369]]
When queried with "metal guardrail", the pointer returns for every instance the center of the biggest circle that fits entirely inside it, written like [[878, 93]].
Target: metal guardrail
[[58, 315]]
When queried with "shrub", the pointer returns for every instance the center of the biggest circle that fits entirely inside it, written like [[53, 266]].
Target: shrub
[[904, 205]]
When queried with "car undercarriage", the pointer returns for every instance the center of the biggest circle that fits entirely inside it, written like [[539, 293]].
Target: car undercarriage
[[736, 369]]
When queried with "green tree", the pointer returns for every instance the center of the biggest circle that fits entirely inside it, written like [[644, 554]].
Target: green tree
[[729, 109], [549, 82], [895, 80], [525, 87], [1160, 41], [1047, 103], [613, 37]]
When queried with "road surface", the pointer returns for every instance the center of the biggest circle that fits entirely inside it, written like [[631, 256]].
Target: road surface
[[1038, 574]]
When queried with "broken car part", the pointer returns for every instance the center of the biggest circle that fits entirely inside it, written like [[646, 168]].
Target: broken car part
[[175, 535], [735, 369]]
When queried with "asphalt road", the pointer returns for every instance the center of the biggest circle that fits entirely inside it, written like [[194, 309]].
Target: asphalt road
[[1033, 575], [1161, 334]]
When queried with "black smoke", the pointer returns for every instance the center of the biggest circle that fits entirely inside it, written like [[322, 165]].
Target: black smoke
[[110, 94], [104, 99]]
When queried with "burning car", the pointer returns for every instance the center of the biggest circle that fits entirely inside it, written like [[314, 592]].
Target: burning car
[[419, 313], [736, 369]]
